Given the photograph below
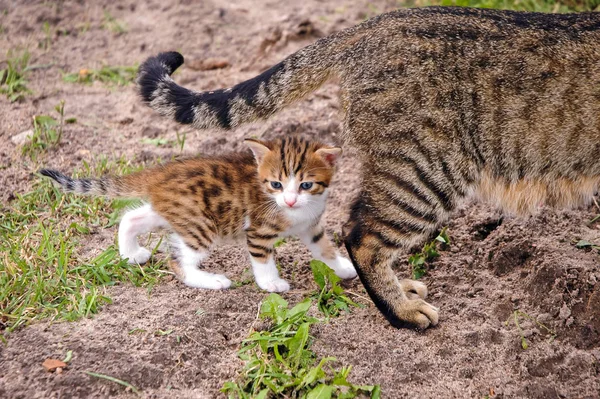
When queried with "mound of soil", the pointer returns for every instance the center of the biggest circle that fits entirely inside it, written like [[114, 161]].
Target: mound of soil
[[501, 283]]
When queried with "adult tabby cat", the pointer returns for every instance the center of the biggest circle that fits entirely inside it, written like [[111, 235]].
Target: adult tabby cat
[[281, 191], [440, 103]]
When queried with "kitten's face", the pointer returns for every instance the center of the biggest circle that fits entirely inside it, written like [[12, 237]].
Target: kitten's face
[[295, 172]]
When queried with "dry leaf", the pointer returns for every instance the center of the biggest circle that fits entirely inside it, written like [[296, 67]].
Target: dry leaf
[[53, 364], [208, 64]]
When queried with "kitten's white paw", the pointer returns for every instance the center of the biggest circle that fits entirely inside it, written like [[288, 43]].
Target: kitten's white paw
[[343, 268], [140, 256], [207, 281], [273, 285]]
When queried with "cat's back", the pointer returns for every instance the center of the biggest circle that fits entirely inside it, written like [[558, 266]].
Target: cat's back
[[461, 23], [204, 176]]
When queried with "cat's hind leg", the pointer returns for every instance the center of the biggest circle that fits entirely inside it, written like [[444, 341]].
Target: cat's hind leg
[[135, 222], [186, 268]]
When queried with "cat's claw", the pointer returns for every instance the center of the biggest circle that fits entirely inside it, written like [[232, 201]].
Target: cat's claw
[[275, 285], [343, 268], [419, 313], [141, 256]]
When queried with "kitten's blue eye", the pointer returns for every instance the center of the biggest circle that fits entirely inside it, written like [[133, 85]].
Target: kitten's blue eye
[[276, 185], [306, 185]]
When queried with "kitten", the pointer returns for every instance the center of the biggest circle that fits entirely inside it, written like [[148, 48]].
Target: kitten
[[281, 191], [439, 103]]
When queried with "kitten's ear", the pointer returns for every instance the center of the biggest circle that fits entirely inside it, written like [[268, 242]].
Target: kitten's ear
[[259, 149], [329, 154]]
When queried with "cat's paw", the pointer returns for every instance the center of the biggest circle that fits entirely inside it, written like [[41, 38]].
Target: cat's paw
[[343, 268], [140, 256], [207, 281], [273, 285], [419, 313], [414, 289]]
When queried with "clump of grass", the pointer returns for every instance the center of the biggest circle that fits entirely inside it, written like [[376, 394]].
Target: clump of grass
[[42, 271], [47, 132], [112, 24], [330, 298], [280, 363], [12, 78], [429, 252], [109, 75], [583, 244], [517, 315]]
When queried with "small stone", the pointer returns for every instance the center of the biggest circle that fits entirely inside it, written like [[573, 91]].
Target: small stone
[[544, 318], [82, 153], [22, 138], [565, 312], [59, 370], [53, 364]]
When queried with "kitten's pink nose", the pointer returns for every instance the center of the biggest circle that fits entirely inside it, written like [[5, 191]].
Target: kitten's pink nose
[[290, 201]]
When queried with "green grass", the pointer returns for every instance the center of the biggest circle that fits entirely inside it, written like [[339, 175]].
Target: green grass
[[112, 24], [330, 298], [43, 273], [109, 75], [429, 252], [280, 363], [47, 132], [12, 78]]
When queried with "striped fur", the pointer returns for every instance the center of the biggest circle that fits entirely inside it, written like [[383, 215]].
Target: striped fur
[[207, 199], [440, 103]]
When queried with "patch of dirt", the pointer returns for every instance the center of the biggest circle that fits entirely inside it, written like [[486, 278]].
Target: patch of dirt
[[493, 267]]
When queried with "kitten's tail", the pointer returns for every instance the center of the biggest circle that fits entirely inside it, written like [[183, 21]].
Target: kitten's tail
[[293, 78], [107, 186]]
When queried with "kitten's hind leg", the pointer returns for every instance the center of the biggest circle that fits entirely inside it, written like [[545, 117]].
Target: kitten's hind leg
[[323, 249], [188, 259], [135, 222]]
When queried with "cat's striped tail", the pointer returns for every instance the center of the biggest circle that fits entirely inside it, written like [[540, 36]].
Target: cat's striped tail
[[293, 78], [106, 186]]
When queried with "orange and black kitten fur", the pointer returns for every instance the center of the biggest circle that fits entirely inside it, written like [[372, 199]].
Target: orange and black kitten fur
[[280, 191], [439, 103]]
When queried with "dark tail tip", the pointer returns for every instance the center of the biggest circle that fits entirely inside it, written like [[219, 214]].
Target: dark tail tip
[[172, 59], [152, 71], [53, 174]]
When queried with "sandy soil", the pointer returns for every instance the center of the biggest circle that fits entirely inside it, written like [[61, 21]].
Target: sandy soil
[[494, 267]]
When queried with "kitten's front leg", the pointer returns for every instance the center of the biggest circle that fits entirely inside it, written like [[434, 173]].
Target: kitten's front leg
[[260, 247], [323, 249]]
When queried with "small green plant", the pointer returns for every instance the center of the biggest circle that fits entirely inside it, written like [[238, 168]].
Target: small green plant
[[429, 252], [517, 315], [112, 24], [583, 244], [12, 78], [330, 298], [109, 75], [180, 139], [279, 242], [47, 132], [279, 362], [115, 380], [45, 44]]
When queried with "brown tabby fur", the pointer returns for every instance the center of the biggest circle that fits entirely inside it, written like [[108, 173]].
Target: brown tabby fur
[[440, 103], [209, 198]]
